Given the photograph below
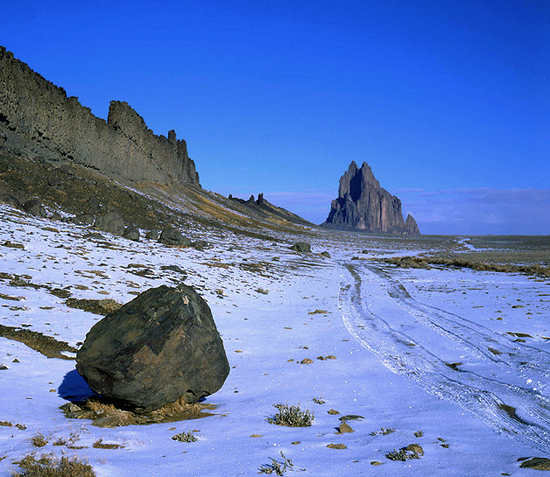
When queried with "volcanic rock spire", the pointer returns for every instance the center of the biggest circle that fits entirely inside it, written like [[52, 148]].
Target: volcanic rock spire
[[365, 206]]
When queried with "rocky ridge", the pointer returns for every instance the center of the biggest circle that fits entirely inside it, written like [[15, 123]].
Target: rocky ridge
[[363, 205], [39, 121]]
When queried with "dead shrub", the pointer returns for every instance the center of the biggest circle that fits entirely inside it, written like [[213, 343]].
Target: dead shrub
[[49, 466]]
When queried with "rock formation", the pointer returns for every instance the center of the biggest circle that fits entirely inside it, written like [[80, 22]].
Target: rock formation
[[38, 120], [411, 227], [365, 206], [159, 348]]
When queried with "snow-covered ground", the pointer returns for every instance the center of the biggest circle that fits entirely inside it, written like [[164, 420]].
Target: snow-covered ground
[[438, 358]]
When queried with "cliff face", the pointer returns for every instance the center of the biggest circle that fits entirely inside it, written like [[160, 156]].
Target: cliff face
[[37, 119], [363, 205]]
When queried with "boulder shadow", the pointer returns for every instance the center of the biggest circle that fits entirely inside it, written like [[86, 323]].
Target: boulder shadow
[[74, 388]]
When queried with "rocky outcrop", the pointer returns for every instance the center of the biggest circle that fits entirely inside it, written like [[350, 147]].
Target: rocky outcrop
[[38, 120], [411, 227], [160, 348], [365, 206]]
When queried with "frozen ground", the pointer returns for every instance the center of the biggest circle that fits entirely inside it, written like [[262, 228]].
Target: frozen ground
[[461, 356]]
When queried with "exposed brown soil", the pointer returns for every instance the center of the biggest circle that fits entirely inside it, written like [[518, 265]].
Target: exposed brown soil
[[48, 346], [105, 413], [99, 307]]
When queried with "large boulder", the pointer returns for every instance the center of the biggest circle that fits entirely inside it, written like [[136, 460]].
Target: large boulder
[[111, 221], [172, 236], [160, 348]]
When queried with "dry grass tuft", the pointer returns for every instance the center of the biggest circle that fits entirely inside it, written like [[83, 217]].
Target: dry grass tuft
[[291, 416], [49, 466], [105, 413], [99, 307], [39, 440]]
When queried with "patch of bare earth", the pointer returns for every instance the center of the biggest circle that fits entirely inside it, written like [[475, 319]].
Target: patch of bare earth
[[48, 346], [105, 413]]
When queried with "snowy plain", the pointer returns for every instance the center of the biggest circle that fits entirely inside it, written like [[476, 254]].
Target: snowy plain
[[436, 357]]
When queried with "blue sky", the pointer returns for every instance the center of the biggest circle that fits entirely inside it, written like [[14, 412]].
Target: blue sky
[[448, 101]]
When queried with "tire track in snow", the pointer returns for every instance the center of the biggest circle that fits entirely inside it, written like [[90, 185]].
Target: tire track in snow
[[518, 412], [533, 363]]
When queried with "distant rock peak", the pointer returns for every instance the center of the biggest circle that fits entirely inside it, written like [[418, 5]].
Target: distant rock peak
[[363, 205]]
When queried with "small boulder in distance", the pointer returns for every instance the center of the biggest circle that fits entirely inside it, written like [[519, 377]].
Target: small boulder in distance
[[301, 247], [131, 233], [111, 221], [172, 236]]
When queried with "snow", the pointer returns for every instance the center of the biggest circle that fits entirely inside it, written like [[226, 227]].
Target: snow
[[391, 331]]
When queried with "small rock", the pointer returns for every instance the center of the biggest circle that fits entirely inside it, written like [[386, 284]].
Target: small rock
[[345, 428], [351, 417], [200, 244], [172, 236], [415, 448], [306, 361], [82, 219], [152, 235], [337, 446], [375, 462], [301, 247], [333, 412], [131, 233], [536, 463]]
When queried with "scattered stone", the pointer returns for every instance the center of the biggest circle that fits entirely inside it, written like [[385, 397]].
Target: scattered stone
[[415, 448], [160, 348], [351, 417], [174, 268], [35, 207], [82, 219], [536, 463], [333, 412], [94, 236], [200, 244], [152, 235], [375, 462], [325, 254], [10, 244], [344, 428], [306, 361], [172, 236], [111, 221], [131, 233], [337, 446], [301, 247]]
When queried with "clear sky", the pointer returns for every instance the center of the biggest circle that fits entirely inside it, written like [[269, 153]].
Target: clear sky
[[447, 100]]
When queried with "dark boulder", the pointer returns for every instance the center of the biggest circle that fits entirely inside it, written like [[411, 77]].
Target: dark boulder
[[201, 244], [152, 235], [35, 207], [131, 233], [82, 219], [172, 236], [111, 221], [10, 199], [160, 348], [301, 247]]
